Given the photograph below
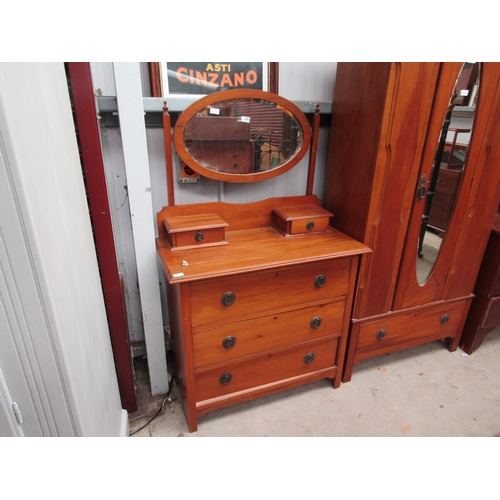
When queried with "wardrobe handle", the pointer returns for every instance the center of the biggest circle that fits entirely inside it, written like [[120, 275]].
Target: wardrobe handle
[[423, 188]]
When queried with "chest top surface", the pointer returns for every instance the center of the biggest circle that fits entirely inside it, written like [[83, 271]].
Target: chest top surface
[[253, 244]]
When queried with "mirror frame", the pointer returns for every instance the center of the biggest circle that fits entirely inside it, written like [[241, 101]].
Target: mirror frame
[[226, 95]]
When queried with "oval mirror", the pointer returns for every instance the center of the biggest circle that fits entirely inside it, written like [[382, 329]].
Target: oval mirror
[[448, 169], [242, 135]]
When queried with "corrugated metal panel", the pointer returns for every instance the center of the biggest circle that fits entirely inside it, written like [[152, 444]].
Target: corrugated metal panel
[[312, 81]]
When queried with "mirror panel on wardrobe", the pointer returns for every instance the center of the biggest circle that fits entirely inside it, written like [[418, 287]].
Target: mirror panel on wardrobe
[[439, 192]]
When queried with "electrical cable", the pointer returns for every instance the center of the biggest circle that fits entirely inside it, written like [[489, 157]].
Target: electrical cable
[[159, 412]]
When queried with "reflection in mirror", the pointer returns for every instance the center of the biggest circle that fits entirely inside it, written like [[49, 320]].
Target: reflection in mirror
[[447, 171], [243, 136]]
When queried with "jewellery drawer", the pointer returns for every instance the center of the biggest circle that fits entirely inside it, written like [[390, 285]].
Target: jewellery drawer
[[398, 331], [191, 231], [300, 220], [253, 336], [224, 300], [272, 366]]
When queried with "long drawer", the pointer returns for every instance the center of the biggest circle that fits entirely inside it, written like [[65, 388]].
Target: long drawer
[[225, 300], [227, 378], [409, 328], [265, 333]]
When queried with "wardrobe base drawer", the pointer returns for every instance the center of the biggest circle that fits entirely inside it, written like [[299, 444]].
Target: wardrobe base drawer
[[269, 367], [403, 329]]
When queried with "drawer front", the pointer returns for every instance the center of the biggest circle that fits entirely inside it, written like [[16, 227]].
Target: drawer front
[[445, 192], [266, 333], [439, 217], [492, 314], [273, 366], [197, 237], [312, 225], [261, 292], [448, 180], [400, 331]]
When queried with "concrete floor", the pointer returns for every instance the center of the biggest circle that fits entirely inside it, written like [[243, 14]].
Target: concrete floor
[[422, 391]]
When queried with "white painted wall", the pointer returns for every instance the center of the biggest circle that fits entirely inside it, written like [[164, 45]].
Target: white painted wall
[[58, 364], [116, 178], [132, 127]]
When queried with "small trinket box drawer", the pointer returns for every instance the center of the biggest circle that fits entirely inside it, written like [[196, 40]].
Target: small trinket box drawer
[[192, 231], [301, 220]]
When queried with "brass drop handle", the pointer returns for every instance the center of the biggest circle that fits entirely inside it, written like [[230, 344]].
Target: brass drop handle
[[381, 334], [316, 322], [320, 281], [199, 236], [309, 358], [225, 378], [228, 298], [310, 225], [229, 342]]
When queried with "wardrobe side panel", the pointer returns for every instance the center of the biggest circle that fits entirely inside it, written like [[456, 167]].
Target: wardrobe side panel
[[358, 108]]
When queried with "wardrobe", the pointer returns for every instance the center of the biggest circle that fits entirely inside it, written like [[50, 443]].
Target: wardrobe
[[409, 140]]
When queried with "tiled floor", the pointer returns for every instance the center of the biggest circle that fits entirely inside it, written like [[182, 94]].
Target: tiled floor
[[423, 391]]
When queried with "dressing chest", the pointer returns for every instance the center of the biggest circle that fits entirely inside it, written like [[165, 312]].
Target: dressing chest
[[260, 314], [259, 294]]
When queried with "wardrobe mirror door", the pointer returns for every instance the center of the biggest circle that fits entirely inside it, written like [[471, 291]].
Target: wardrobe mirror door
[[440, 191]]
